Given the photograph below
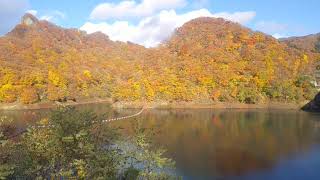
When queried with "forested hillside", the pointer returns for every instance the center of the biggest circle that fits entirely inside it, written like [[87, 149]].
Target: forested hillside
[[242, 65], [205, 60], [309, 43]]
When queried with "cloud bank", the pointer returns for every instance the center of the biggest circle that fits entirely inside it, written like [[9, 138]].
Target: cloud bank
[[150, 31], [130, 8]]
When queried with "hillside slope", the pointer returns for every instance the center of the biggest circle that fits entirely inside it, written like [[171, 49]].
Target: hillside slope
[[42, 61], [309, 43], [205, 60], [237, 63]]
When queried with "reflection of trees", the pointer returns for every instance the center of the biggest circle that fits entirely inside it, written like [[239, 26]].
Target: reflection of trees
[[223, 142], [228, 142]]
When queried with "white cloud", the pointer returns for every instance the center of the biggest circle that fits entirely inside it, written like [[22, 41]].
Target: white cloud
[[278, 36], [10, 13], [53, 16], [239, 17], [271, 27], [32, 11], [46, 17], [152, 30], [131, 8]]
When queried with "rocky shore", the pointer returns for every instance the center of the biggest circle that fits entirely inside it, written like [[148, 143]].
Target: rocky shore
[[314, 105]]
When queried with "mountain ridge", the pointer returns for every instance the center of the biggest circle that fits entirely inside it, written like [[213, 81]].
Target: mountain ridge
[[207, 59], [310, 43]]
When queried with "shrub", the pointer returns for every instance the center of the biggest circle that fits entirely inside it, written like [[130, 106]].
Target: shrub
[[73, 144], [247, 95], [8, 93], [29, 95]]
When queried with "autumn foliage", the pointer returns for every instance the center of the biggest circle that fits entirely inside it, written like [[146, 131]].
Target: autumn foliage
[[29, 95], [207, 59]]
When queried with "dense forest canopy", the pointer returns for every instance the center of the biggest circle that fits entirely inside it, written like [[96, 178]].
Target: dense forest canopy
[[205, 60]]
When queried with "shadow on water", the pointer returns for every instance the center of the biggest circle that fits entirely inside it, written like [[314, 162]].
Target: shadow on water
[[313, 105], [226, 144]]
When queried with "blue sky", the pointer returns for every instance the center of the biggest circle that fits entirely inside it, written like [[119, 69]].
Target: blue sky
[[148, 22]]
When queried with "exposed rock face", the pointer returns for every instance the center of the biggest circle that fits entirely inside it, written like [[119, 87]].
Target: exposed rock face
[[314, 105], [29, 19]]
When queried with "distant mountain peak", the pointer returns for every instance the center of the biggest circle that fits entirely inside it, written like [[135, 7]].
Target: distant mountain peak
[[28, 22], [309, 43], [209, 25], [29, 19]]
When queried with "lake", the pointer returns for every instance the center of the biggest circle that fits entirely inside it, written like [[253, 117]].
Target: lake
[[224, 144]]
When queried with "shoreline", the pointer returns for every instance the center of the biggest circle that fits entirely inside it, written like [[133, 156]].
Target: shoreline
[[156, 105], [49, 105], [214, 105]]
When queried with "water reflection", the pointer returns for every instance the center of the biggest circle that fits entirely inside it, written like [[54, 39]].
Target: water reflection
[[227, 144], [208, 143]]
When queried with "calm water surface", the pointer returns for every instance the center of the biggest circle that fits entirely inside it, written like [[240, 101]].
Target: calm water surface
[[225, 144]]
